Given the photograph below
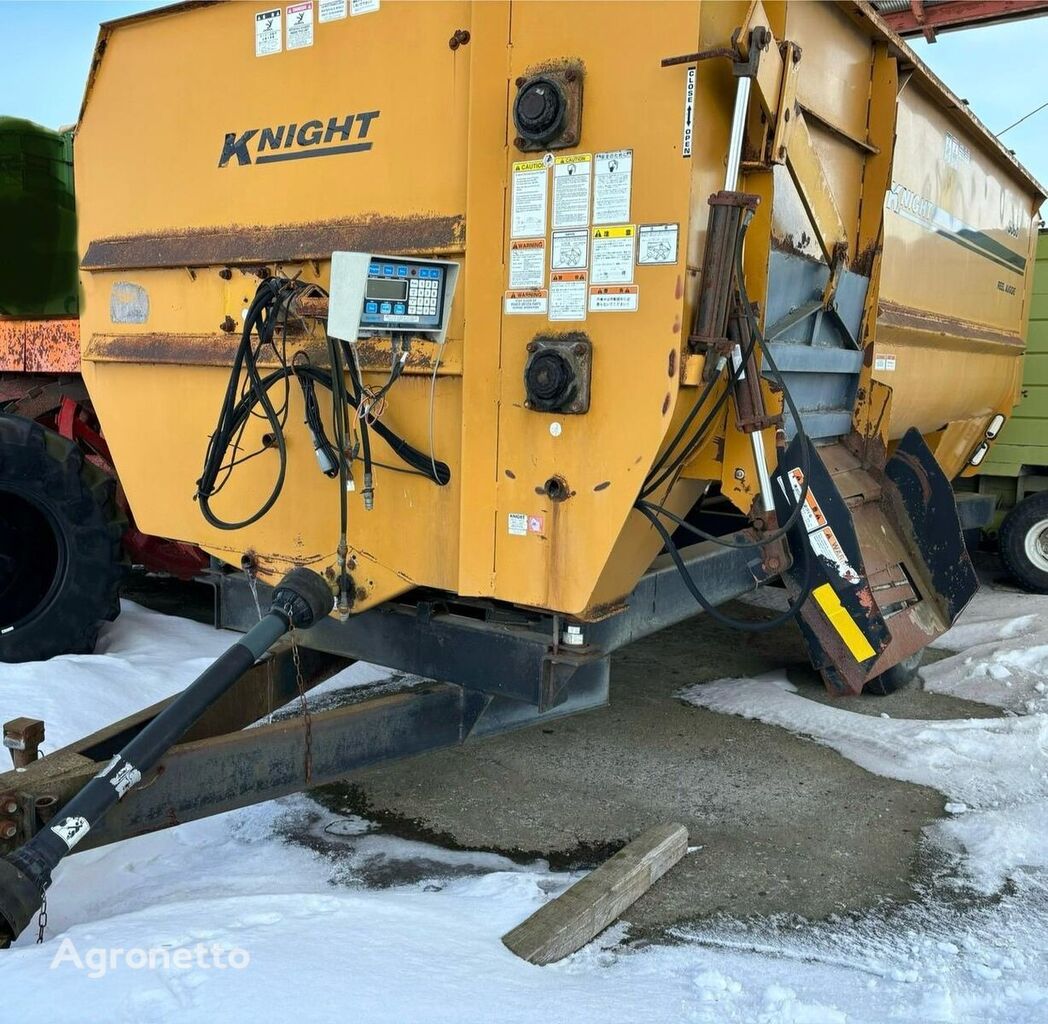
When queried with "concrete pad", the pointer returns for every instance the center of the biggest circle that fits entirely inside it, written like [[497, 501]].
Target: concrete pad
[[784, 825]]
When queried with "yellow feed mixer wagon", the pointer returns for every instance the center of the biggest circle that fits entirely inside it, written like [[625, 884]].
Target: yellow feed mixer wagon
[[478, 340]]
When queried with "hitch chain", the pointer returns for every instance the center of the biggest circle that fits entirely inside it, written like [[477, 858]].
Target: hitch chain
[[307, 719]]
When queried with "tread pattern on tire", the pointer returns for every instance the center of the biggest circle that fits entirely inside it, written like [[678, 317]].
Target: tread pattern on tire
[[1012, 538], [51, 471]]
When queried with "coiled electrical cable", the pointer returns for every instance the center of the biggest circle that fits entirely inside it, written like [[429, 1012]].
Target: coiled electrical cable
[[247, 390]]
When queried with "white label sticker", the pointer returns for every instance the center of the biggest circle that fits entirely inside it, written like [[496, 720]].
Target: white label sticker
[[71, 830], [612, 185], [657, 243], [689, 113], [528, 204], [525, 301], [884, 363], [821, 537], [124, 779], [570, 250], [363, 7], [331, 10], [269, 32], [518, 524], [889, 362], [527, 263], [300, 25], [567, 295], [614, 298], [109, 767], [611, 258], [571, 190]]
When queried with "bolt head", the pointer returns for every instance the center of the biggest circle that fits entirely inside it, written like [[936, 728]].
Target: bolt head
[[740, 474]]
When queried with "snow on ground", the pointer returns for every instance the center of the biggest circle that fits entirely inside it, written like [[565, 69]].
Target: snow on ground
[[322, 945]]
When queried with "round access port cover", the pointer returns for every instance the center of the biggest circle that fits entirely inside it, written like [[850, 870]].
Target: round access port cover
[[549, 381], [539, 110]]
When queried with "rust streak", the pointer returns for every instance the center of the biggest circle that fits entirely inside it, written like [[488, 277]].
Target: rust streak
[[259, 244]]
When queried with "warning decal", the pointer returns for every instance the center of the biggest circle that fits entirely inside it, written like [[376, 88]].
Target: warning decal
[[300, 25], [569, 250], [612, 185], [331, 10], [71, 830], [524, 301], [885, 363], [567, 295], [571, 190], [657, 243], [528, 202], [821, 537], [518, 524], [527, 263], [269, 32], [363, 7], [611, 260], [614, 298]]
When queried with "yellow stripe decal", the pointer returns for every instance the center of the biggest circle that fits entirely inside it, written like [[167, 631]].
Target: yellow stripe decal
[[841, 621]]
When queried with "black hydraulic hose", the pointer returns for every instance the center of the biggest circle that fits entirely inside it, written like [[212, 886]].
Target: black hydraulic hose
[[266, 296], [707, 606], [300, 599], [365, 433]]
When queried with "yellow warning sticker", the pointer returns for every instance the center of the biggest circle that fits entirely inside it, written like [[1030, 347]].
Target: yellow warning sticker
[[846, 627], [612, 253], [617, 231]]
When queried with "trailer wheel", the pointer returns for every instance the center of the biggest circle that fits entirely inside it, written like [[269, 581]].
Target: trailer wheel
[[1023, 542], [896, 677], [60, 565]]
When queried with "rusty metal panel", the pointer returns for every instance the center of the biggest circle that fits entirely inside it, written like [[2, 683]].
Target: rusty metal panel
[[52, 346], [12, 345], [203, 247]]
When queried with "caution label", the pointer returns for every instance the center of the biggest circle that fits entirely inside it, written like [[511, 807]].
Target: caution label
[[331, 10], [612, 186], [300, 25], [527, 263], [572, 175], [614, 298], [567, 295], [570, 250], [528, 199], [657, 243], [269, 32], [611, 254], [821, 538], [526, 302], [363, 7]]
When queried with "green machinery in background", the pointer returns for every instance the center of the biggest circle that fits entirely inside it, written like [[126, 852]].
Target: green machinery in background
[[37, 221], [1016, 467]]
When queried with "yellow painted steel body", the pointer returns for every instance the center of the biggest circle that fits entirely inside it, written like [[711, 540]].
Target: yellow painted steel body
[[165, 221]]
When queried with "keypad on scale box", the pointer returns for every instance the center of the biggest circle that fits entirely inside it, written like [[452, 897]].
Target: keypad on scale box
[[422, 292]]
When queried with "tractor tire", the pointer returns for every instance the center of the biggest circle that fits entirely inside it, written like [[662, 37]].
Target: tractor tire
[[1023, 543], [60, 529], [895, 678]]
